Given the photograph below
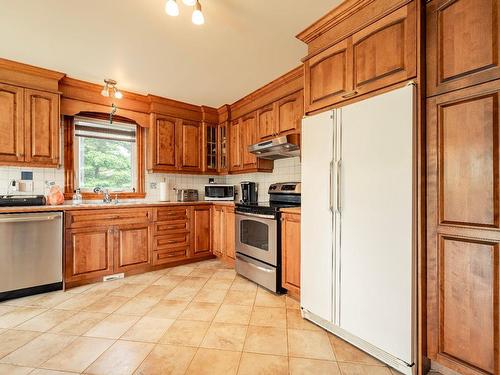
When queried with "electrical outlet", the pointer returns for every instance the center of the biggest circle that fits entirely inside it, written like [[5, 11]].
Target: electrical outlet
[[153, 185]]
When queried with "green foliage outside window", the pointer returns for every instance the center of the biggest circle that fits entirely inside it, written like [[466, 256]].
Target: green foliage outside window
[[106, 163]]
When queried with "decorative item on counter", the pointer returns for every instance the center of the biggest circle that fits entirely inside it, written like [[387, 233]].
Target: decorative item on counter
[[55, 195], [77, 198], [163, 191]]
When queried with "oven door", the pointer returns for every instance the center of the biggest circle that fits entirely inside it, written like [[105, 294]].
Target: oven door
[[256, 237]]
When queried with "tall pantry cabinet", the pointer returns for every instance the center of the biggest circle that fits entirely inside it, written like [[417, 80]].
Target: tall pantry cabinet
[[463, 187]]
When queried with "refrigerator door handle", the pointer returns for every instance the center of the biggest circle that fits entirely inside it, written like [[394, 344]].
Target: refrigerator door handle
[[339, 187], [332, 190]]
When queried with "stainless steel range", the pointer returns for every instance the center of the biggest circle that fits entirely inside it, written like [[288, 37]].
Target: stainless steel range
[[258, 235]]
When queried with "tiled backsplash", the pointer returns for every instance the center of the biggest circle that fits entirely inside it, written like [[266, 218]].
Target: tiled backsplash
[[285, 170]]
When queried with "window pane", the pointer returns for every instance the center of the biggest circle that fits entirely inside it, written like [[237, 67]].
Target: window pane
[[106, 163]]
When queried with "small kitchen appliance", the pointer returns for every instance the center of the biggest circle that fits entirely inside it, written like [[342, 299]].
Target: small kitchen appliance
[[219, 192], [249, 192], [186, 195]]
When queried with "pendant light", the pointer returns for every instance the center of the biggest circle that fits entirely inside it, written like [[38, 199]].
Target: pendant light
[[172, 8], [110, 85], [197, 16], [189, 3]]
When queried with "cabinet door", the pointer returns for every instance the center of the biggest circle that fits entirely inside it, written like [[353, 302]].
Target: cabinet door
[[266, 122], [229, 232], [217, 221], [11, 124], [463, 232], [201, 230], [191, 150], [235, 146], [248, 138], [328, 76], [462, 43], [210, 147], [384, 53], [132, 247], [41, 119], [222, 148], [290, 247], [88, 253], [164, 144], [290, 111]]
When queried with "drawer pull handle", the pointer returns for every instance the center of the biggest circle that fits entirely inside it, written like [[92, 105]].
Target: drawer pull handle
[[350, 94]]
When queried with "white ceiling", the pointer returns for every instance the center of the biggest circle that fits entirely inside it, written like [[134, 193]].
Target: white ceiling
[[242, 46]]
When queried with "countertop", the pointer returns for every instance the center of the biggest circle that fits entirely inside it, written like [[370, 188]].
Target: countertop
[[99, 205], [291, 210]]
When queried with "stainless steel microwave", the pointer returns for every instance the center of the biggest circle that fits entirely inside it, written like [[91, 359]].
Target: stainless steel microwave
[[219, 192]]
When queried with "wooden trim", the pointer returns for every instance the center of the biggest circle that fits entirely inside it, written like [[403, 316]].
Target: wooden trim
[[29, 76], [69, 165], [285, 85]]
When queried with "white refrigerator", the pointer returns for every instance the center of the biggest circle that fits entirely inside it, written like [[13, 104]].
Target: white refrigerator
[[357, 257]]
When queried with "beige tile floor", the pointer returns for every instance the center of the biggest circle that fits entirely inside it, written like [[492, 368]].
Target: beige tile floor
[[195, 319]]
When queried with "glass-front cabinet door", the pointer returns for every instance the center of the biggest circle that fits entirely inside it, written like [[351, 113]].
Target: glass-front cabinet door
[[211, 147], [223, 149]]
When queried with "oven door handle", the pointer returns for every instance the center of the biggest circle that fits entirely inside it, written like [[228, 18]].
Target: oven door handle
[[272, 217], [254, 265]]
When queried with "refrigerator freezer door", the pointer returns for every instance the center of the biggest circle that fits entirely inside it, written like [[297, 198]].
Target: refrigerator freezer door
[[377, 290], [317, 197]]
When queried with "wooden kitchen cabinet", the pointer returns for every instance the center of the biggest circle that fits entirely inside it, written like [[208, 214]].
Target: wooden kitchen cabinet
[[190, 149], [463, 229], [171, 230], [266, 121], [248, 138], [223, 231], [462, 44], [29, 127], [41, 121], [377, 56], [11, 124], [290, 253], [211, 143], [162, 149], [201, 225], [88, 253], [174, 145], [235, 146], [132, 246], [281, 117]]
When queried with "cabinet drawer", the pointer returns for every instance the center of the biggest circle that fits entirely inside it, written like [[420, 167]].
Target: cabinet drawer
[[168, 256], [171, 213], [84, 218], [171, 227], [170, 241]]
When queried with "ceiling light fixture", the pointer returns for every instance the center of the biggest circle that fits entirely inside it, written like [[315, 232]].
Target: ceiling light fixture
[[172, 8], [110, 85], [197, 17]]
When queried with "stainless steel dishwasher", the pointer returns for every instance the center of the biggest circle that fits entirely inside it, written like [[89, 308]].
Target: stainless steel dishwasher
[[30, 253]]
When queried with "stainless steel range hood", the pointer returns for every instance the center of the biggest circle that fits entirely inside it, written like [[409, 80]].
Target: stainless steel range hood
[[286, 146]]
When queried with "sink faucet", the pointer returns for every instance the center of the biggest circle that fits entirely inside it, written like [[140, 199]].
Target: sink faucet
[[106, 198]]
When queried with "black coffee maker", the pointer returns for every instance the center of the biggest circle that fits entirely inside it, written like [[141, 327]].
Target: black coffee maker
[[249, 193]]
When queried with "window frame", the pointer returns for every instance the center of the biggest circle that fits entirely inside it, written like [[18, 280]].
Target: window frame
[[70, 162]]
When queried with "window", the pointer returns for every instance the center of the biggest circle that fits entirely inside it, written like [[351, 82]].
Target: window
[[105, 155]]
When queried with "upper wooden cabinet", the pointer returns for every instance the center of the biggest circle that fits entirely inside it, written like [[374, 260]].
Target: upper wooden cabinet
[[174, 145], [377, 56], [248, 138], [29, 127], [190, 146], [462, 43], [11, 124], [281, 117], [41, 119], [235, 146]]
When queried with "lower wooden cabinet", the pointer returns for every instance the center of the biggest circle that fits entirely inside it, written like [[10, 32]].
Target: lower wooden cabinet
[[88, 253], [290, 253], [200, 231], [132, 246], [223, 231]]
